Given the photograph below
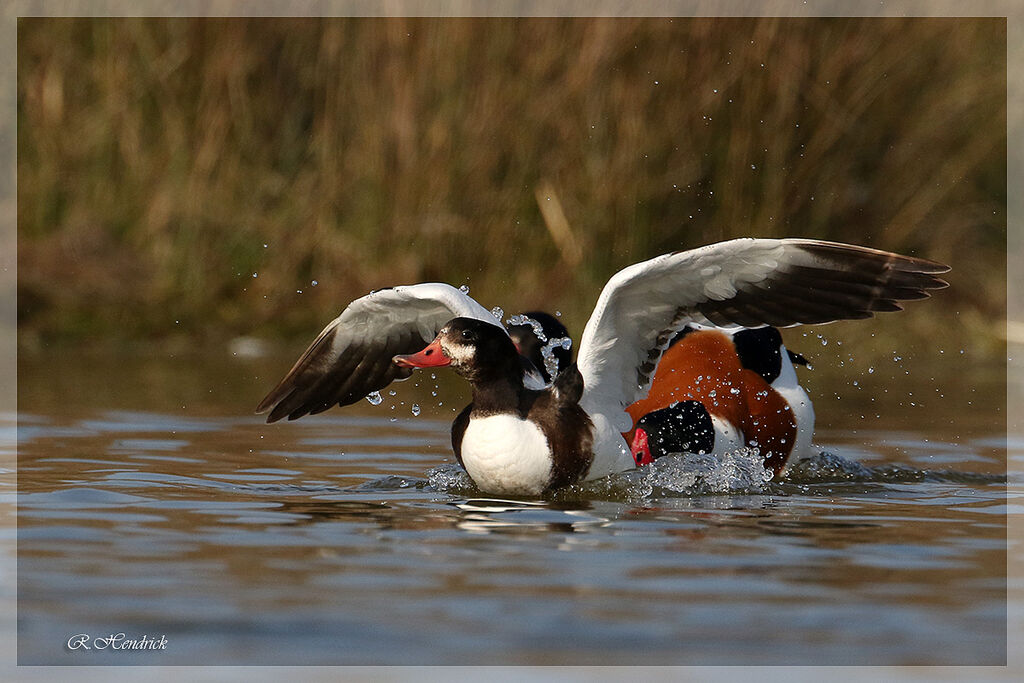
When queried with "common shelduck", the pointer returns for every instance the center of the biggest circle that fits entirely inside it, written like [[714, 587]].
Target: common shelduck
[[517, 438], [714, 390]]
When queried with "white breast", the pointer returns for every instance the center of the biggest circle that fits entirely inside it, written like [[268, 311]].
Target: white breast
[[506, 455]]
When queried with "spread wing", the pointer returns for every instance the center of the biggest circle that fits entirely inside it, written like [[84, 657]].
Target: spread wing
[[352, 356], [739, 283]]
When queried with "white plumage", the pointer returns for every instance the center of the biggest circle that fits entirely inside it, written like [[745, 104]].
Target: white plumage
[[506, 455]]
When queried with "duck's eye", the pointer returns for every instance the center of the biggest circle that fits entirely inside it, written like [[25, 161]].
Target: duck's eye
[[468, 334]]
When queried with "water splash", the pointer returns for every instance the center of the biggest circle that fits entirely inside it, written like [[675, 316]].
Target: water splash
[[450, 478], [741, 472], [547, 351], [390, 483], [527, 320], [827, 467], [375, 398]]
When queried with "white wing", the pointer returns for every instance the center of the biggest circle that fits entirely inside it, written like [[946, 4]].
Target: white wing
[[740, 283], [352, 356]]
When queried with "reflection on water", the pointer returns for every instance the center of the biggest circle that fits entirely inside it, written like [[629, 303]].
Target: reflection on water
[[351, 538]]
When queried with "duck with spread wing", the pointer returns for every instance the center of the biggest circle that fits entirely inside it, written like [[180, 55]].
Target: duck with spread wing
[[520, 436]]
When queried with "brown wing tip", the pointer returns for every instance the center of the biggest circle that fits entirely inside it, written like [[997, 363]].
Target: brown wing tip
[[271, 401], [264, 407], [917, 264], [278, 402], [908, 263]]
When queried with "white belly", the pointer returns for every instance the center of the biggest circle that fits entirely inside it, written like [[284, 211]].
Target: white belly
[[506, 455]]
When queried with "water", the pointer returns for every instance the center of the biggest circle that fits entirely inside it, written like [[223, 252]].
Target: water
[[152, 502]]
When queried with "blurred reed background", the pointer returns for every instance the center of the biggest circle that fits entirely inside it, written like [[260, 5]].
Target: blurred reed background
[[186, 180]]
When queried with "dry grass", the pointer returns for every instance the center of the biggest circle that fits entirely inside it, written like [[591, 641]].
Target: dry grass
[[164, 162]]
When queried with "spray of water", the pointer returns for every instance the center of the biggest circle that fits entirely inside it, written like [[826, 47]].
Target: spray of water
[[547, 351]]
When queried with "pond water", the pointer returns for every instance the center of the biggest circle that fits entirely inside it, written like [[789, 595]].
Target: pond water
[[152, 502]]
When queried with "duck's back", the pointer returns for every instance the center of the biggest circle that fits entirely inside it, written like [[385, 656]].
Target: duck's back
[[715, 369]]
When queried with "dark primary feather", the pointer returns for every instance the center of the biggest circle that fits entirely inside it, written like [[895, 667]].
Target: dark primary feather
[[827, 282], [352, 356], [325, 376]]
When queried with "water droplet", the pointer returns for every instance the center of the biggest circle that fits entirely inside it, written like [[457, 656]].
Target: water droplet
[[374, 398], [315, 283], [497, 312], [392, 392], [416, 409], [548, 353], [464, 289]]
